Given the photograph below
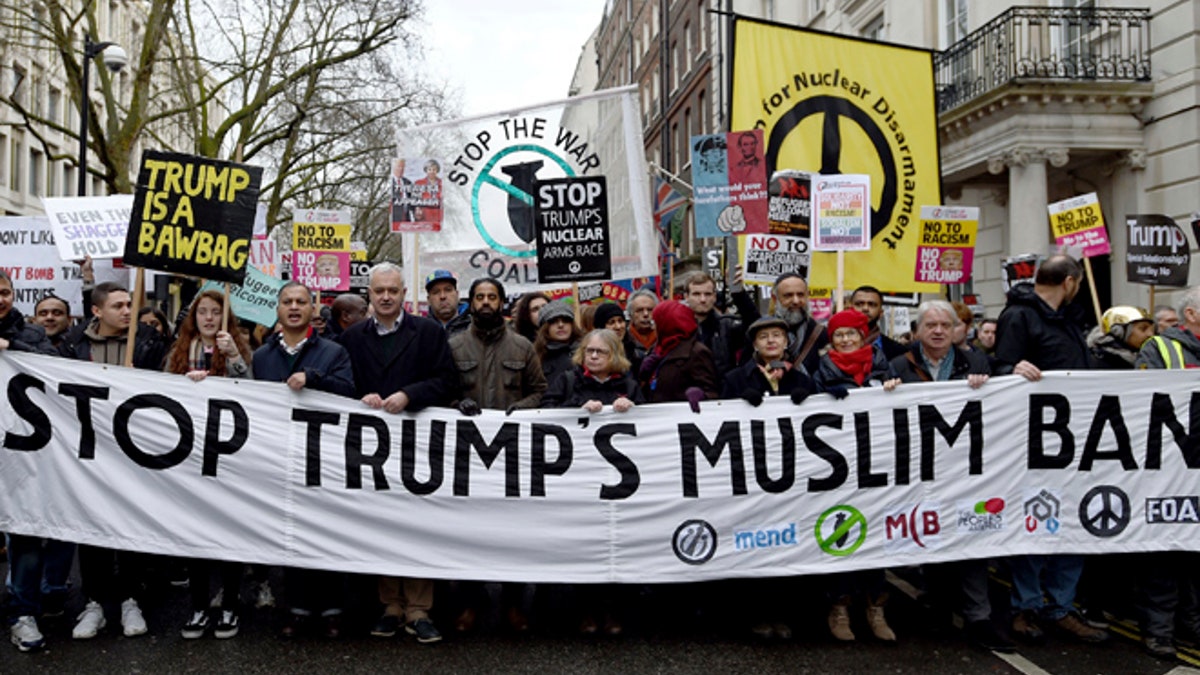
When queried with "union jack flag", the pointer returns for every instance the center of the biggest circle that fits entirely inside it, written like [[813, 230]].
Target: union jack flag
[[666, 202]]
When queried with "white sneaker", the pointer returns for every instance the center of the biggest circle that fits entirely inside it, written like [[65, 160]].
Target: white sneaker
[[265, 598], [132, 622], [25, 634], [89, 622]]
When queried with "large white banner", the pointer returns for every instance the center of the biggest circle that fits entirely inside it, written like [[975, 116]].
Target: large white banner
[[251, 471], [487, 178]]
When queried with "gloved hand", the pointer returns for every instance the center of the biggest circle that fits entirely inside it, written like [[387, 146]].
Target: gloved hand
[[649, 364], [752, 396], [469, 407], [799, 394], [838, 391], [694, 396], [509, 410]]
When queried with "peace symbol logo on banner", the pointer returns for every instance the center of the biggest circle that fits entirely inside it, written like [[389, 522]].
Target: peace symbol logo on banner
[[522, 175], [695, 542], [841, 530], [833, 109], [1104, 511]]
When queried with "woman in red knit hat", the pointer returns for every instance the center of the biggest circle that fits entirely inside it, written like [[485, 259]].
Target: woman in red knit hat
[[851, 362]]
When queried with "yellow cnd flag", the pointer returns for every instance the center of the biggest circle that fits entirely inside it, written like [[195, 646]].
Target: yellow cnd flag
[[839, 105]]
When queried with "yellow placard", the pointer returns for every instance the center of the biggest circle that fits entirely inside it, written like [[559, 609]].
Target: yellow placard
[[839, 105], [320, 236]]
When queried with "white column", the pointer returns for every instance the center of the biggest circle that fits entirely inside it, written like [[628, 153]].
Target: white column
[[1028, 223]]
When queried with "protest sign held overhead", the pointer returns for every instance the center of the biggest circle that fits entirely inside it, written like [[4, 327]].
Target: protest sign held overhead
[[492, 163], [765, 256], [1078, 222], [1158, 253], [416, 195], [1018, 269], [321, 248], [571, 229], [946, 253], [789, 203], [29, 257], [730, 184], [254, 299], [841, 213], [193, 216], [89, 226], [841, 105]]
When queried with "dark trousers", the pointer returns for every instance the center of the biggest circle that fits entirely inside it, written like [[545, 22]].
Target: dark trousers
[[111, 576], [200, 575]]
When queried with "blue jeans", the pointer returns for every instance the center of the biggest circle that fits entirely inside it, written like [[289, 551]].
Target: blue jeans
[[1057, 575], [36, 567]]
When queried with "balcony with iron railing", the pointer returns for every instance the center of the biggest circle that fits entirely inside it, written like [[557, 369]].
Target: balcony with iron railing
[[1045, 44]]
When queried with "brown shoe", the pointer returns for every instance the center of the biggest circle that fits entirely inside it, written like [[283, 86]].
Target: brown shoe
[[839, 623], [465, 621], [1072, 625], [879, 625], [517, 620], [1025, 627]]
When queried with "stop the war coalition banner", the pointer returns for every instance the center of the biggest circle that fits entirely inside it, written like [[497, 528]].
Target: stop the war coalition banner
[[251, 471], [492, 163]]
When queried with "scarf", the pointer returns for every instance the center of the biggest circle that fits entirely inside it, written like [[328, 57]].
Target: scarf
[[857, 364], [674, 322]]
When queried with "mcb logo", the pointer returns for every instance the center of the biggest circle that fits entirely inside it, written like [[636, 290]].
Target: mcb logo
[[1043, 513], [917, 525]]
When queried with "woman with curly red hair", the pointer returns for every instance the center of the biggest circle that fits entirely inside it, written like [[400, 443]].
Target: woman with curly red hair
[[204, 349]]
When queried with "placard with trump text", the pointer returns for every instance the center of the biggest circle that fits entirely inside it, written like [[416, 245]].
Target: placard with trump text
[[193, 216], [1078, 222], [947, 250], [831, 104]]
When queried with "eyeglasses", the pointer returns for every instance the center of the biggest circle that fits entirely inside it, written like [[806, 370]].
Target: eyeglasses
[[595, 351]]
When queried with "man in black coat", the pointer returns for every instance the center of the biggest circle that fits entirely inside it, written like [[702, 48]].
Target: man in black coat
[[806, 337], [401, 362], [1035, 332]]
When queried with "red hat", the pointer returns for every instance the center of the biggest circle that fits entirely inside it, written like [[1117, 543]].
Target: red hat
[[672, 317], [848, 318]]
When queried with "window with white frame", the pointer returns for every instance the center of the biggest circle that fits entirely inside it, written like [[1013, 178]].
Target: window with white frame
[[954, 21], [875, 29]]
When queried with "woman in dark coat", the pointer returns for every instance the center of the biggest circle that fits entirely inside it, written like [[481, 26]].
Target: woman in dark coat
[[853, 363], [600, 378], [767, 373], [557, 339], [680, 368]]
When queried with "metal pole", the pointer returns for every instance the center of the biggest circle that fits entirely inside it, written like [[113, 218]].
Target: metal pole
[[81, 190]]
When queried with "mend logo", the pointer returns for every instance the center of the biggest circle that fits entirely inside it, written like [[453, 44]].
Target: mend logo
[[764, 537], [984, 516], [1173, 510], [917, 525]]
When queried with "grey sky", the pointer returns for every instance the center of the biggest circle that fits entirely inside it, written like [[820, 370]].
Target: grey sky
[[502, 54]]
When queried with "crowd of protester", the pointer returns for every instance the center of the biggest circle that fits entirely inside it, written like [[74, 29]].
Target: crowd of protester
[[469, 356]]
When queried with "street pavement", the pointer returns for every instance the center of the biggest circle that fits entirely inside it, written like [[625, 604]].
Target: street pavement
[[661, 637]]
